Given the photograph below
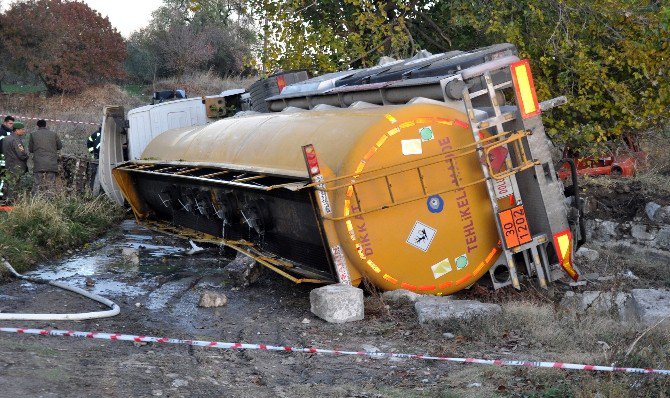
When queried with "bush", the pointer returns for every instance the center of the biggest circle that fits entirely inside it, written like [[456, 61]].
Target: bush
[[40, 228]]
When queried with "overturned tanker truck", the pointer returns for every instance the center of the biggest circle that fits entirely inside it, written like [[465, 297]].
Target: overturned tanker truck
[[420, 174]]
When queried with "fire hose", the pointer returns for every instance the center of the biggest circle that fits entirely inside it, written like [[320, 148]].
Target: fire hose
[[114, 308]]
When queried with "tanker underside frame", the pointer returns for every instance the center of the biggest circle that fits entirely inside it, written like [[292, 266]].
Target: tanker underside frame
[[255, 214]]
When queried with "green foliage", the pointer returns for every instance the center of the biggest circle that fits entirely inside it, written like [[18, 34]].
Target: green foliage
[[325, 36], [39, 228], [609, 57]]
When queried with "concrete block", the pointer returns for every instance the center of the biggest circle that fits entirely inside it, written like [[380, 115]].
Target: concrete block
[[652, 304], [621, 306], [242, 271], [400, 297], [337, 303], [211, 299], [441, 311]]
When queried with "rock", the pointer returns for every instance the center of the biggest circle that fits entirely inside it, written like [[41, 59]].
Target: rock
[[179, 383], [369, 348], [400, 297], [90, 282], [609, 228], [663, 238], [131, 255], [587, 254], [663, 215], [620, 305], [242, 271], [602, 230], [651, 208], [305, 321], [448, 335], [337, 303], [652, 304], [641, 232], [441, 311], [211, 299]]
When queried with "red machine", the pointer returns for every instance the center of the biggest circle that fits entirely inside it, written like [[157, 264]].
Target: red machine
[[624, 161]]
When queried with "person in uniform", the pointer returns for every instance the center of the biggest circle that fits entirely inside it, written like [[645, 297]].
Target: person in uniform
[[16, 160], [93, 144], [6, 129], [44, 144]]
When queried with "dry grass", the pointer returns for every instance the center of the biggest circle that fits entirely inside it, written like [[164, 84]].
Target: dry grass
[[539, 331], [84, 107], [201, 84]]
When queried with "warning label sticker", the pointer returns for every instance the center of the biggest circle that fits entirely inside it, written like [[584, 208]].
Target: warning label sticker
[[323, 196], [442, 268], [341, 265], [421, 236], [503, 188], [411, 147], [427, 134]]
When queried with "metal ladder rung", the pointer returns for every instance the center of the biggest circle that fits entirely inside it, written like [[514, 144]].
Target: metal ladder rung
[[494, 121], [484, 91]]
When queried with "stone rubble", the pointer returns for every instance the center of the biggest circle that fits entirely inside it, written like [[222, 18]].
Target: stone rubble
[[210, 299]]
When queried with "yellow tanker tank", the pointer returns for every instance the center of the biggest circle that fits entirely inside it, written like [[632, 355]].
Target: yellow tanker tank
[[396, 202]]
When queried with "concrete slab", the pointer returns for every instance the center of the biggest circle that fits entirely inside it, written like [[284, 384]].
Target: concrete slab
[[440, 311], [653, 304]]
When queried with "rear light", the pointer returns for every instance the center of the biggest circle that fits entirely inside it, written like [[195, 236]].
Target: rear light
[[563, 246], [525, 89], [312, 162], [281, 82]]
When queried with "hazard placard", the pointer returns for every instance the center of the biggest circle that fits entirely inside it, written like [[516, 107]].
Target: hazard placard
[[515, 227]]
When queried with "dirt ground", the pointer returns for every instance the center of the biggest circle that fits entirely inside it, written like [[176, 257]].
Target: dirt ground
[[159, 298]]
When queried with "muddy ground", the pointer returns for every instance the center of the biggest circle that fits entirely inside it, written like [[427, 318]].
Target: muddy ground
[[159, 298]]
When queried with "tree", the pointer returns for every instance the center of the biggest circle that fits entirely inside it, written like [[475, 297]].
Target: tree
[[610, 57], [65, 43], [329, 35], [184, 37]]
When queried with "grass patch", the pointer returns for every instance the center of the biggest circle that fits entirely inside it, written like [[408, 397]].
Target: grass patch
[[38, 228], [22, 89]]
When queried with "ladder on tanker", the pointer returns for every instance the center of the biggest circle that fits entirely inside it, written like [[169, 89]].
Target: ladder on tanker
[[507, 221]]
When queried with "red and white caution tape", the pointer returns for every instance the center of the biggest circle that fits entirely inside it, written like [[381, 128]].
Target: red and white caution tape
[[51, 120], [263, 347]]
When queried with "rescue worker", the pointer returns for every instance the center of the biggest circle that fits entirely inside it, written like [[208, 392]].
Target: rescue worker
[[6, 129], [16, 160], [93, 144], [44, 144]]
